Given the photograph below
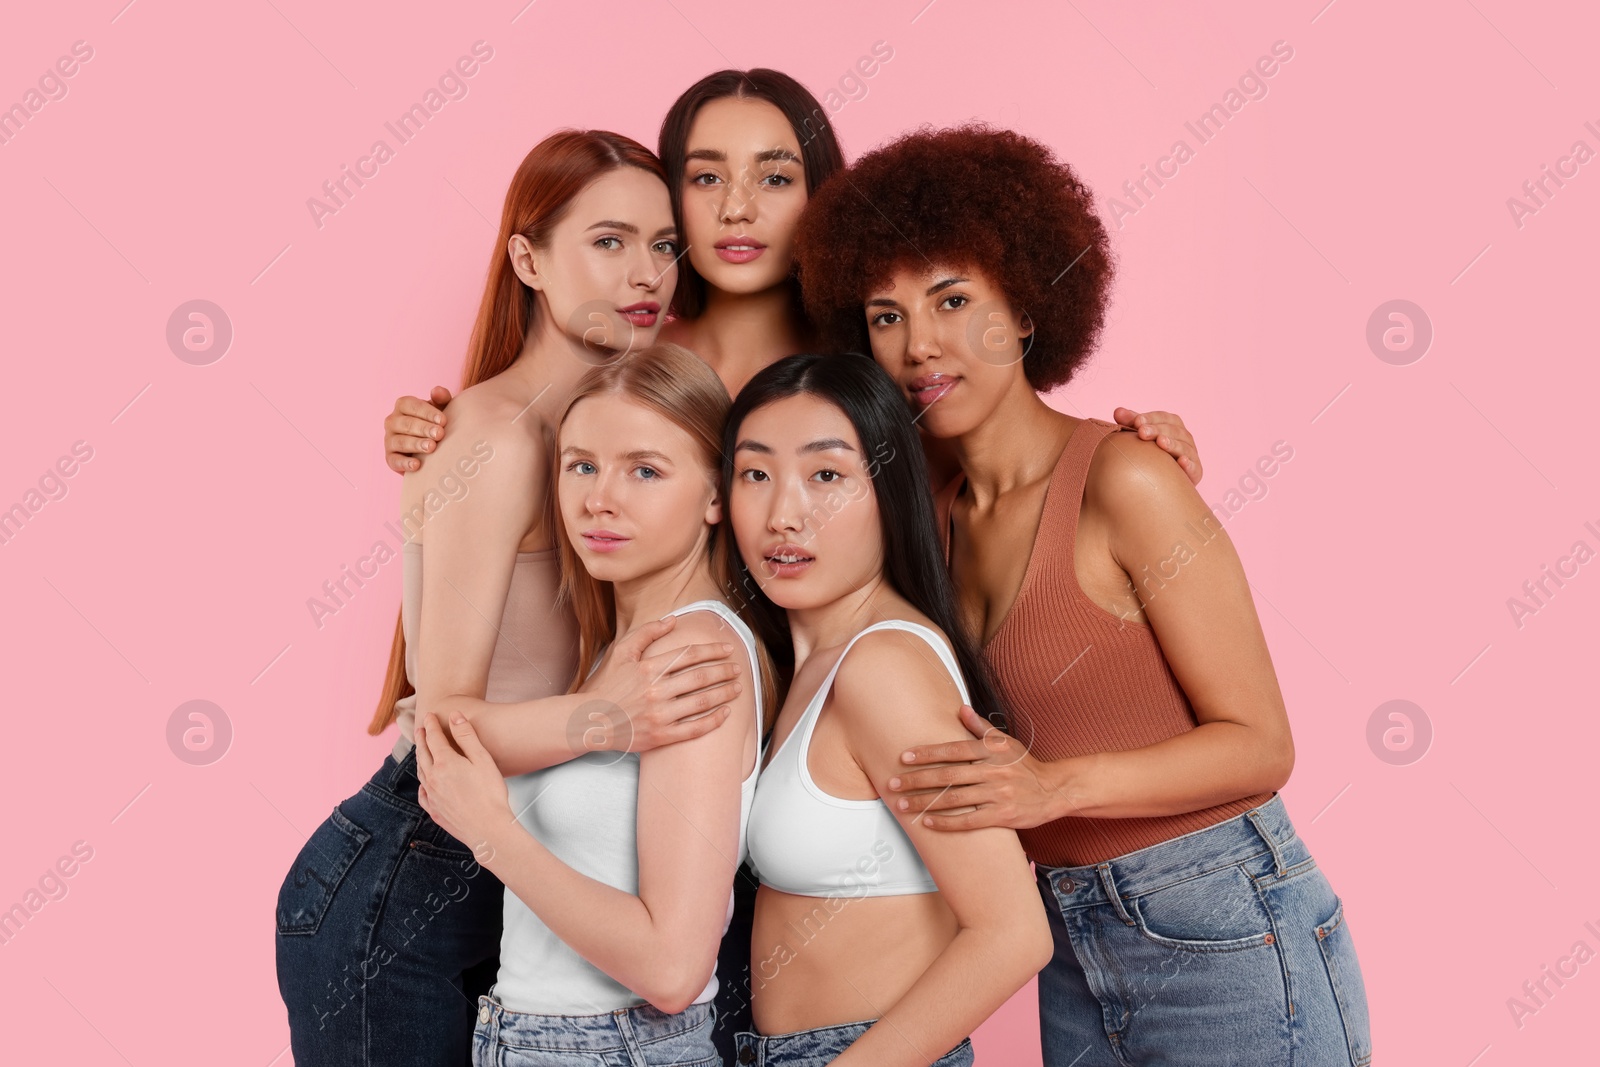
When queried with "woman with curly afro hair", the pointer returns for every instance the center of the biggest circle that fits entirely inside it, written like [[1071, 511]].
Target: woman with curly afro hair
[[1146, 735]]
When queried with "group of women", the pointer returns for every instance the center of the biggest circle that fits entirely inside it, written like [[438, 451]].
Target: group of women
[[791, 683]]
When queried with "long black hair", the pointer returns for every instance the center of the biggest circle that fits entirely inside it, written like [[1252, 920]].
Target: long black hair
[[913, 560]]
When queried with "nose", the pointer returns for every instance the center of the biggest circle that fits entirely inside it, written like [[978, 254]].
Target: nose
[[922, 341], [786, 509], [738, 203], [645, 270], [599, 499]]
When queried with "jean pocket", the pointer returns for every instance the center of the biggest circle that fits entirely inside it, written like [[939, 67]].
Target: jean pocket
[[308, 889], [1219, 911], [1349, 990]]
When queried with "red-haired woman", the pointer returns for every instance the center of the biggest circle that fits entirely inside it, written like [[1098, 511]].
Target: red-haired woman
[[387, 926], [1148, 736]]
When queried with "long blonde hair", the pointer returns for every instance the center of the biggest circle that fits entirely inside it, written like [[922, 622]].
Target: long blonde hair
[[550, 177], [677, 385]]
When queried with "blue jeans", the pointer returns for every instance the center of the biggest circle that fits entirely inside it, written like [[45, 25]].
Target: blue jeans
[[643, 1036], [388, 930], [823, 1044], [1223, 946]]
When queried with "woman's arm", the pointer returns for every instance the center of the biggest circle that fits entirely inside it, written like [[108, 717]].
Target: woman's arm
[[469, 549], [662, 943], [1202, 614], [1003, 936]]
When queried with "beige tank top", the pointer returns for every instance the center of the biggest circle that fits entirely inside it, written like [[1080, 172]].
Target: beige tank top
[[536, 654]]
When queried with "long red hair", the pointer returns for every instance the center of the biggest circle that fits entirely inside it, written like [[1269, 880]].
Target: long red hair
[[559, 168]]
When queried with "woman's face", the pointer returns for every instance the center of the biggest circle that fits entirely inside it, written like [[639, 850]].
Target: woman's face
[[636, 496], [950, 340], [743, 189], [609, 269], [803, 507]]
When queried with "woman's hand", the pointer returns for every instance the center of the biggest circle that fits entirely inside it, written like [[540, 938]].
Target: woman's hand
[[1165, 428], [661, 699], [462, 791], [413, 427], [995, 772]]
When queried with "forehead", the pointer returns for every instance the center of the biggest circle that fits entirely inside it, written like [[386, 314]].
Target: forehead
[[787, 425], [613, 423], [626, 194], [739, 128], [915, 276]]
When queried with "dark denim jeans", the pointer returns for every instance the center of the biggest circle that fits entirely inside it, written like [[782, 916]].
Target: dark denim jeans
[[388, 932]]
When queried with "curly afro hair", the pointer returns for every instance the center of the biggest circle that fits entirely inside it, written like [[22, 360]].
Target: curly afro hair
[[971, 196]]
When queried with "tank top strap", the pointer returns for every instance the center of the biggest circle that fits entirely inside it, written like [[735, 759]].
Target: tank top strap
[[1064, 501]]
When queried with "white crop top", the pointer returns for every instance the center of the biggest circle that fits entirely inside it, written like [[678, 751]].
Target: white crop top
[[585, 811], [805, 841]]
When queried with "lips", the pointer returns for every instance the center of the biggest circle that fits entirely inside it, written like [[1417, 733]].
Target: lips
[[641, 314], [603, 540], [927, 389], [787, 560], [739, 249]]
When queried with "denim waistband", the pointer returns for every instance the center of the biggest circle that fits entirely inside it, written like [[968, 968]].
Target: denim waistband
[[1259, 832], [398, 776], [607, 1031]]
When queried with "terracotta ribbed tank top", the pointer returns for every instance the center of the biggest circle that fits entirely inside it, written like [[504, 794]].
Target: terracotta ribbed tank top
[[1079, 679], [535, 654]]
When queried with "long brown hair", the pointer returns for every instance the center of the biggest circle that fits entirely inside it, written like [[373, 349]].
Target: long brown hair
[[557, 169], [677, 385], [820, 155]]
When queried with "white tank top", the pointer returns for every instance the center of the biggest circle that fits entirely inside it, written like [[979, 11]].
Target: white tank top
[[805, 841], [585, 812]]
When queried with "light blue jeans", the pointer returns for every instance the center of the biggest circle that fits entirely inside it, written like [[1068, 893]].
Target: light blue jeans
[[643, 1036], [822, 1045], [1223, 946]]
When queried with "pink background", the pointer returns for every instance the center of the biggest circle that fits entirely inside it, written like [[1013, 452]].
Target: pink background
[[219, 498]]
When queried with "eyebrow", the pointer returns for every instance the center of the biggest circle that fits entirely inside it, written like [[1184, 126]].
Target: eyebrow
[[884, 301], [717, 155], [636, 454], [823, 444], [628, 227]]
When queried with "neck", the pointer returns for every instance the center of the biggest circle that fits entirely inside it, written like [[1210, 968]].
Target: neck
[[832, 624], [548, 367], [650, 596], [740, 333], [1004, 451]]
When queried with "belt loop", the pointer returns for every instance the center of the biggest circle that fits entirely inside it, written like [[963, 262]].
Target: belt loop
[[1110, 886], [1254, 815]]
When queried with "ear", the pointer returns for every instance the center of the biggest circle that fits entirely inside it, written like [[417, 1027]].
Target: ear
[[1025, 328], [714, 509], [524, 261]]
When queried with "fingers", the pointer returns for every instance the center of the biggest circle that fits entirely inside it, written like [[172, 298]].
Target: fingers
[[440, 397], [467, 738], [419, 408], [689, 729], [950, 752], [972, 820], [633, 646], [937, 777], [689, 679], [680, 660]]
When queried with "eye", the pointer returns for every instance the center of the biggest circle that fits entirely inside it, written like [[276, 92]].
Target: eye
[[601, 243], [836, 475], [667, 248], [885, 318], [779, 179], [577, 463], [954, 296], [648, 473], [699, 179], [753, 474]]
